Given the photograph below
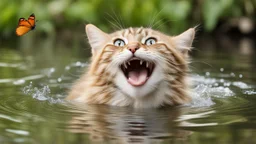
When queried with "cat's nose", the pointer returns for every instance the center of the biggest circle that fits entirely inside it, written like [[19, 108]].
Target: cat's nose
[[133, 47]]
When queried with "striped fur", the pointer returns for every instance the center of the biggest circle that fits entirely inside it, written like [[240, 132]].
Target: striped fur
[[105, 83]]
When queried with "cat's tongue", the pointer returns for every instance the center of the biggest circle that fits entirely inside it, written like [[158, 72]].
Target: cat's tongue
[[137, 78]]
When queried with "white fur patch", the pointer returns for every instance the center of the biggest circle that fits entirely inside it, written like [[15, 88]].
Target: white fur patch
[[140, 94]]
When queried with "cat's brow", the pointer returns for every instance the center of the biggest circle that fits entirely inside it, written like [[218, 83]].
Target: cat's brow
[[126, 32], [122, 33], [131, 30], [135, 31], [144, 32], [139, 30]]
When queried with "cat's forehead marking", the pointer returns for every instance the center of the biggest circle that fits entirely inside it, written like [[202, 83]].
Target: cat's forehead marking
[[126, 32], [145, 32], [135, 31], [139, 30], [134, 34], [131, 30]]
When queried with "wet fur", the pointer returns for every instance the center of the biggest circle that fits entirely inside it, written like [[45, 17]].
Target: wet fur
[[104, 82]]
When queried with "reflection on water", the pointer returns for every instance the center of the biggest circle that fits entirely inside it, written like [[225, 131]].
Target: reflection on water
[[34, 84], [125, 125]]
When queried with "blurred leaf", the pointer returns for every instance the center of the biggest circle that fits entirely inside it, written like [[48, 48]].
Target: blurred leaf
[[7, 14], [45, 26], [212, 11], [176, 10], [57, 7], [81, 10]]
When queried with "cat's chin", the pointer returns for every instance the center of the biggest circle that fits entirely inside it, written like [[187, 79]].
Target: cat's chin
[[137, 71]]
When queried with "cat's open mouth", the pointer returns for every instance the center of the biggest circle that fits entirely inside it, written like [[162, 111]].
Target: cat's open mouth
[[137, 71]]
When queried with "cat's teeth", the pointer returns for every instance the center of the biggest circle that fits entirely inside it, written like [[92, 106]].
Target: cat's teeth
[[141, 62], [129, 63], [147, 63], [125, 65]]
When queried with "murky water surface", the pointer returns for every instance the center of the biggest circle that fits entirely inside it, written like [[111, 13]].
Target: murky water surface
[[35, 77]]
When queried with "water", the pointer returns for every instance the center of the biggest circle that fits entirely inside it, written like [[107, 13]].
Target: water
[[35, 77]]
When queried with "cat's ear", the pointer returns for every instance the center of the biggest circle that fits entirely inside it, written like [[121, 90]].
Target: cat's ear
[[96, 37], [183, 42]]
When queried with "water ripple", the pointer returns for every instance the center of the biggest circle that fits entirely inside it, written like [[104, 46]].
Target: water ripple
[[19, 132], [216, 102]]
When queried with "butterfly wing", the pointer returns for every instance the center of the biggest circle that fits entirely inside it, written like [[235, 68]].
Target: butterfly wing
[[31, 20], [23, 27]]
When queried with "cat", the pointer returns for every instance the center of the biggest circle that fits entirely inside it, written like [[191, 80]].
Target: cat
[[137, 67]]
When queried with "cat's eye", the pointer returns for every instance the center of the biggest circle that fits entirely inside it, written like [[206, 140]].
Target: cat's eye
[[150, 41], [119, 42]]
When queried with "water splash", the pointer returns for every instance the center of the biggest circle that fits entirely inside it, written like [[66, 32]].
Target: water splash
[[77, 64], [241, 85], [200, 97], [250, 92], [208, 88], [41, 94], [49, 71]]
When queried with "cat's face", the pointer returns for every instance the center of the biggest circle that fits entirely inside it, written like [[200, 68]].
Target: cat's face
[[138, 60]]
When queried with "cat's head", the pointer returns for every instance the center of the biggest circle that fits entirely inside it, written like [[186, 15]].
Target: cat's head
[[138, 60]]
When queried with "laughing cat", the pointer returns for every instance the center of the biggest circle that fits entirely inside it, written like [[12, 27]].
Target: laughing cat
[[137, 67]]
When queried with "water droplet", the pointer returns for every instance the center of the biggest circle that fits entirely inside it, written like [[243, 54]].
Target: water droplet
[[207, 73], [227, 84], [240, 75], [221, 69], [19, 82], [59, 80], [67, 68], [232, 74], [78, 63], [52, 70], [222, 80], [85, 64]]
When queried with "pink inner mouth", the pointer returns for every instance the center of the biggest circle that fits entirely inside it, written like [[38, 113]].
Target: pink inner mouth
[[137, 71], [138, 78]]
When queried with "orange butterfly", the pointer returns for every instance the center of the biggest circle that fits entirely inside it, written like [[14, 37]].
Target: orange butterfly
[[25, 26]]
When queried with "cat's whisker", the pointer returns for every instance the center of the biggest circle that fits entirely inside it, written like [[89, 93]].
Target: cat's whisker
[[113, 24], [74, 75], [157, 23], [152, 21], [193, 68], [202, 63], [119, 18], [154, 18], [118, 25]]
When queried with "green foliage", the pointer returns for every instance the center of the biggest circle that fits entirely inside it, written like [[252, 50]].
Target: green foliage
[[169, 15], [213, 10]]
